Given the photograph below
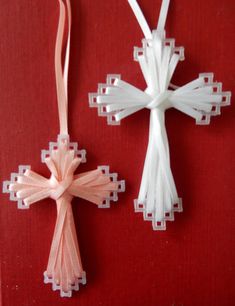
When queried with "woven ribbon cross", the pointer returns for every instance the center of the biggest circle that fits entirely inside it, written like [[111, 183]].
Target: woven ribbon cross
[[117, 99], [64, 269]]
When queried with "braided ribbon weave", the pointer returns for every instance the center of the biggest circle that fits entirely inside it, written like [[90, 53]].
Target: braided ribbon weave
[[64, 269], [117, 99]]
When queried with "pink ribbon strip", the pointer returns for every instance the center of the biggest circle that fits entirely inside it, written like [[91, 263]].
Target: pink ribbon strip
[[62, 78]]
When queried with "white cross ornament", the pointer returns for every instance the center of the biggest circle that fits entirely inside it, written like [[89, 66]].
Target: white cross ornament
[[117, 99]]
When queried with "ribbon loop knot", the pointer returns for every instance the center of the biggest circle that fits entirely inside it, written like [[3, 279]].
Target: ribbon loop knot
[[160, 100], [59, 187]]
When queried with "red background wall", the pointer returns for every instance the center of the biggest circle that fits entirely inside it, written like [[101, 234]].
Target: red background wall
[[192, 263]]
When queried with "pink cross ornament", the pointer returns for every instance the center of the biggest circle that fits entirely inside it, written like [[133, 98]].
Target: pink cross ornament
[[64, 270]]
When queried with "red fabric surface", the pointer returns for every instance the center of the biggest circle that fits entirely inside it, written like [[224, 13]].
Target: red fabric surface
[[127, 263]]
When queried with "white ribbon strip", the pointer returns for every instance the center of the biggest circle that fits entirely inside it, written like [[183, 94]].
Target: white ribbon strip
[[141, 19], [163, 15]]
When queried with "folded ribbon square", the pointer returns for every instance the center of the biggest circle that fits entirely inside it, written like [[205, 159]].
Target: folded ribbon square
[[199, 99]]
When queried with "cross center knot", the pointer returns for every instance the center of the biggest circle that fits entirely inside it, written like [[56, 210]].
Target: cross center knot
[[160, 100], [58, 188]]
